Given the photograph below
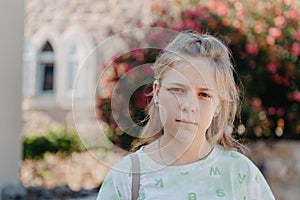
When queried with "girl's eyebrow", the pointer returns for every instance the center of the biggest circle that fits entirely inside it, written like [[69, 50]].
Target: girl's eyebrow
[[179, 84], [182, 85]]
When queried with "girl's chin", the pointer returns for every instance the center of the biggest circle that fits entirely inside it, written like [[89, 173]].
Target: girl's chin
[[185, 136]]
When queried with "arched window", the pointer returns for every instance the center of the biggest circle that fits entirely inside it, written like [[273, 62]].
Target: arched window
[[76, 73], [46, 69], [78, 69], [73, 61]]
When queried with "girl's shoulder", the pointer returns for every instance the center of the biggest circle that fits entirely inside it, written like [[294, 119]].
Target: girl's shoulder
[[120, 169], [124, 164], [237, 160]]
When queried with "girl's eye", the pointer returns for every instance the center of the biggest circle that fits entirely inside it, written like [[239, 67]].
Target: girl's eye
[[205, 95], [176, 90]]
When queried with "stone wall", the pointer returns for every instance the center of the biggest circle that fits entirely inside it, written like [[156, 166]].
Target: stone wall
[[280, 163], [98, 17]]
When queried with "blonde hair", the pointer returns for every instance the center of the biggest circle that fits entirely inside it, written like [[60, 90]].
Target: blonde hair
[[199, 46]]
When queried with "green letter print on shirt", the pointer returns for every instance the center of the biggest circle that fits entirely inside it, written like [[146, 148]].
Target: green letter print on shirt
[[214, 171], [234, 155], [159, 182], [242, 178], [192, 196], [119, 193], [257, 178], [220, 193], [184, 173]]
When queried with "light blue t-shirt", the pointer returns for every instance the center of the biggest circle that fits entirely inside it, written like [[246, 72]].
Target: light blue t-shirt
[[223, 174]]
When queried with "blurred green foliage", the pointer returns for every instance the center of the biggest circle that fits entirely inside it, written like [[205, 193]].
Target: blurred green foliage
[[60, 140]]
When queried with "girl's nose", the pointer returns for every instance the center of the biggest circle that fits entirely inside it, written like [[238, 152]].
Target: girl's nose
[[189, 104]]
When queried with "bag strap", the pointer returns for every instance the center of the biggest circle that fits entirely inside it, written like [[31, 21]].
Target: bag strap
[[135, 176]]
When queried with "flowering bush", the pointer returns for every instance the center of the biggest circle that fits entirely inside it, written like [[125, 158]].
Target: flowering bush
[[264, 38], [114, 110]]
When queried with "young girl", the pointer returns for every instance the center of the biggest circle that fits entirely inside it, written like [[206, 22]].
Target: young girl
[[193, 154]]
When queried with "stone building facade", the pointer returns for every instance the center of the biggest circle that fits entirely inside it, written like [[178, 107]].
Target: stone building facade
[[59, 35]]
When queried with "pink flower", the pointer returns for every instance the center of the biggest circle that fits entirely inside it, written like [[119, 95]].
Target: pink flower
[[152, 37], [148, 69], [158, 6], [278, 79], [137, 52], [222, 9], [270, 40], [140, 100], [179, 26], [211, 23], [212, 5], [101, 68], [242, 55], [117, 59], [272, 110], [272, 67], [106, 93], [139, 55], [127, 67], [252, 49], [161, 24], [236, 24], [191, 13], [296, 96], [297, 34], [286, 82], [295, 49], [287, 2], [279, 21], [293, 14], [226, 22], [259, 26], [238, 6], [280, 112], [241, 15], [104, 81], [201, 12], [252, 64], [257, 104], [276, 10], [274, 32], [190, 24]]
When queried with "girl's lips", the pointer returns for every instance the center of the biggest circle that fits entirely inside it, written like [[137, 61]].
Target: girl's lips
[[185, 121]]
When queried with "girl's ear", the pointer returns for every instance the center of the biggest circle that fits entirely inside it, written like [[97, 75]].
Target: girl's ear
[[218, 109], [155, 88]]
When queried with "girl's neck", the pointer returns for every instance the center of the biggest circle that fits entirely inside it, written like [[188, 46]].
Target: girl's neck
[[174, 152]]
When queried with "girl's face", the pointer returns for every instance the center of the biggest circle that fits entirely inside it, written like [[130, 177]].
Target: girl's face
[[187, 99]]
